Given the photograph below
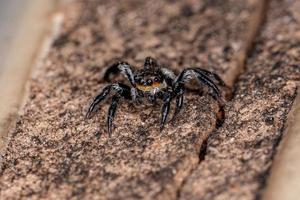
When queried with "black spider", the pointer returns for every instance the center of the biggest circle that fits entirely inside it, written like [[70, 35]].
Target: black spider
[[153, 82]]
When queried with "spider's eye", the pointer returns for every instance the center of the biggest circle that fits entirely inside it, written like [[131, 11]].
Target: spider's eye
[[149, 82], [156, 79]]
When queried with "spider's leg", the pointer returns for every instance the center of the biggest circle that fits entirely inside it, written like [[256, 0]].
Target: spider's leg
[[213, 75], [179, 103], [101, 96], [152, 98], [169, 76], [121, 89], [111, 113], [202, 77], [127, 70], [165, 109], [124, 68]]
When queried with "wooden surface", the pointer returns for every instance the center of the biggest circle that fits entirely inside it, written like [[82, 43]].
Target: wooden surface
[[284, 180], [54, 153]]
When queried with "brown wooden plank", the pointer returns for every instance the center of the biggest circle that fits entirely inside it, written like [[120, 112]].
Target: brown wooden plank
[[56, 154]]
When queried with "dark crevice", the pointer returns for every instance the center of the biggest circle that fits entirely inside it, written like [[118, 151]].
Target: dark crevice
[[255, 27], [240, 58], [220, 117], [202, 152]]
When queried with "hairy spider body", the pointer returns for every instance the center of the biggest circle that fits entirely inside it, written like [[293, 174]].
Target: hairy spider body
[[153, 82]]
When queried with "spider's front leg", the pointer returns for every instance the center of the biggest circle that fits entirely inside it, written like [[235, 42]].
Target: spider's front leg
[[203, 76], [120, 91], [169, 77], [120, 67], [127, 70], [213, 76]]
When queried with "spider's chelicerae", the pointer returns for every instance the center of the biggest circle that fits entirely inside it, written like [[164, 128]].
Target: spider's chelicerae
[[153, 82]]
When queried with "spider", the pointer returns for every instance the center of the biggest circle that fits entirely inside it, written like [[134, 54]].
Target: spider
[[150, 83]]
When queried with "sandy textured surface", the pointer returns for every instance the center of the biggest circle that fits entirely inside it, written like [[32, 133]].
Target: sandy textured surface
[[239, 155], [56, 154]]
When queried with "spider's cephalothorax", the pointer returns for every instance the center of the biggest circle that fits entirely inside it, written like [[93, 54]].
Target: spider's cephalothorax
[[153, 82]]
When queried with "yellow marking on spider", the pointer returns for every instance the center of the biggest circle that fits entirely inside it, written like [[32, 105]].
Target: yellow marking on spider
[[148, 87]]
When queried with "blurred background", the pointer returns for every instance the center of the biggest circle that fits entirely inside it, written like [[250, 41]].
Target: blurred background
[[10, 14], [24, 24]]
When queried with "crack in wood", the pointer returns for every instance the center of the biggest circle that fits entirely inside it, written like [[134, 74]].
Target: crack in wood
[[240, 58]]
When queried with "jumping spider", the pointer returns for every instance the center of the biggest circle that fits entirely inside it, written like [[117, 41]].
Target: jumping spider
[[153, 82]]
